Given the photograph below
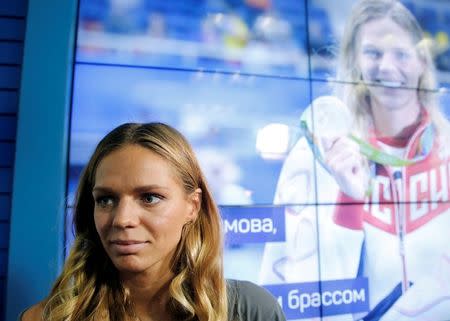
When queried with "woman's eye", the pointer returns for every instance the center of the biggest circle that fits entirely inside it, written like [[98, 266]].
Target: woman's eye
[[402, 55], [372, 53], [104, 201], [151, 198]]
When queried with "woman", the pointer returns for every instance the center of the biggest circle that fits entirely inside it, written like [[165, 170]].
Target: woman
[[391, 220], [148, 240]]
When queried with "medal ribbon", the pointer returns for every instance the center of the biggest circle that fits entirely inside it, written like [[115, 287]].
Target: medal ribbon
[[376, 155]]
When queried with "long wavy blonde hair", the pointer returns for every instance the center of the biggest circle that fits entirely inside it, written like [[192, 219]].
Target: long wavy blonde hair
[[354, 92], [89, 287]]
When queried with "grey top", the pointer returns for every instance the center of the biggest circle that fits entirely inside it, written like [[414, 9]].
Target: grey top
[[250, 302]]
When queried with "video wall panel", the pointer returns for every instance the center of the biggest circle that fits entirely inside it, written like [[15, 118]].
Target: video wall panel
[[241, 126], [263, 37], [343, 155]]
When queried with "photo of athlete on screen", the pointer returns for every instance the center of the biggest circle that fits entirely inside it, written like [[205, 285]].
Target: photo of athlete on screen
[[389, 176]]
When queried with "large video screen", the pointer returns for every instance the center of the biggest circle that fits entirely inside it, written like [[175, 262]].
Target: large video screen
[[322, 129]]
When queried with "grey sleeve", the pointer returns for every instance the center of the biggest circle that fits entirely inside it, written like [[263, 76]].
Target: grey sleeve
[[250, 302]]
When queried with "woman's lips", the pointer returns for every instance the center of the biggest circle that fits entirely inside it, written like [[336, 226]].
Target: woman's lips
[[390, 83], [127, 246], [387, 83]]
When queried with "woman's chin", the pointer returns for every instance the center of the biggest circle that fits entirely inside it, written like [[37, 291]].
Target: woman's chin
[[394, 99], [128, 264]]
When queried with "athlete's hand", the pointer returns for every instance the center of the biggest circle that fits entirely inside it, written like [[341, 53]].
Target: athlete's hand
[[348, 166]]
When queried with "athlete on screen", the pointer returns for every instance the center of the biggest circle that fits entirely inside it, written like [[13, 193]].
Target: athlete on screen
[[385, 181]]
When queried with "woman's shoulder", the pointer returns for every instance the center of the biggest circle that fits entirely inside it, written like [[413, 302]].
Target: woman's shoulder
[[33, 313], [250, 302], [248, 290]]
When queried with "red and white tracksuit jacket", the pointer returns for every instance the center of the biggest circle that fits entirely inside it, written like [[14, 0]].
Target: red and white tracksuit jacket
[[399, 237]]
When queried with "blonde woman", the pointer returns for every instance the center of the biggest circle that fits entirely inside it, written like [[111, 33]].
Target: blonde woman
[[391, 187], [148, 240]]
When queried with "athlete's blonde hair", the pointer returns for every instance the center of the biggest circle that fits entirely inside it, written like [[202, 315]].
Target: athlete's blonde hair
[[353, 91], [89, 287]]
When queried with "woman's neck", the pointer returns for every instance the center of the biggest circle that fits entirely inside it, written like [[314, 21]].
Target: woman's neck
[[149, 295], [396, 122]]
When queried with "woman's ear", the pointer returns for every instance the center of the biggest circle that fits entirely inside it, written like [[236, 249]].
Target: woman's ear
[[195, 200]]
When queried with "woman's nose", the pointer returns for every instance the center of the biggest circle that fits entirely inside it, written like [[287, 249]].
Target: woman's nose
[[125, 214], [386, 62]]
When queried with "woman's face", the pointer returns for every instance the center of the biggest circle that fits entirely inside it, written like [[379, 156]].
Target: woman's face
[[140, 209], [390, 63]]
